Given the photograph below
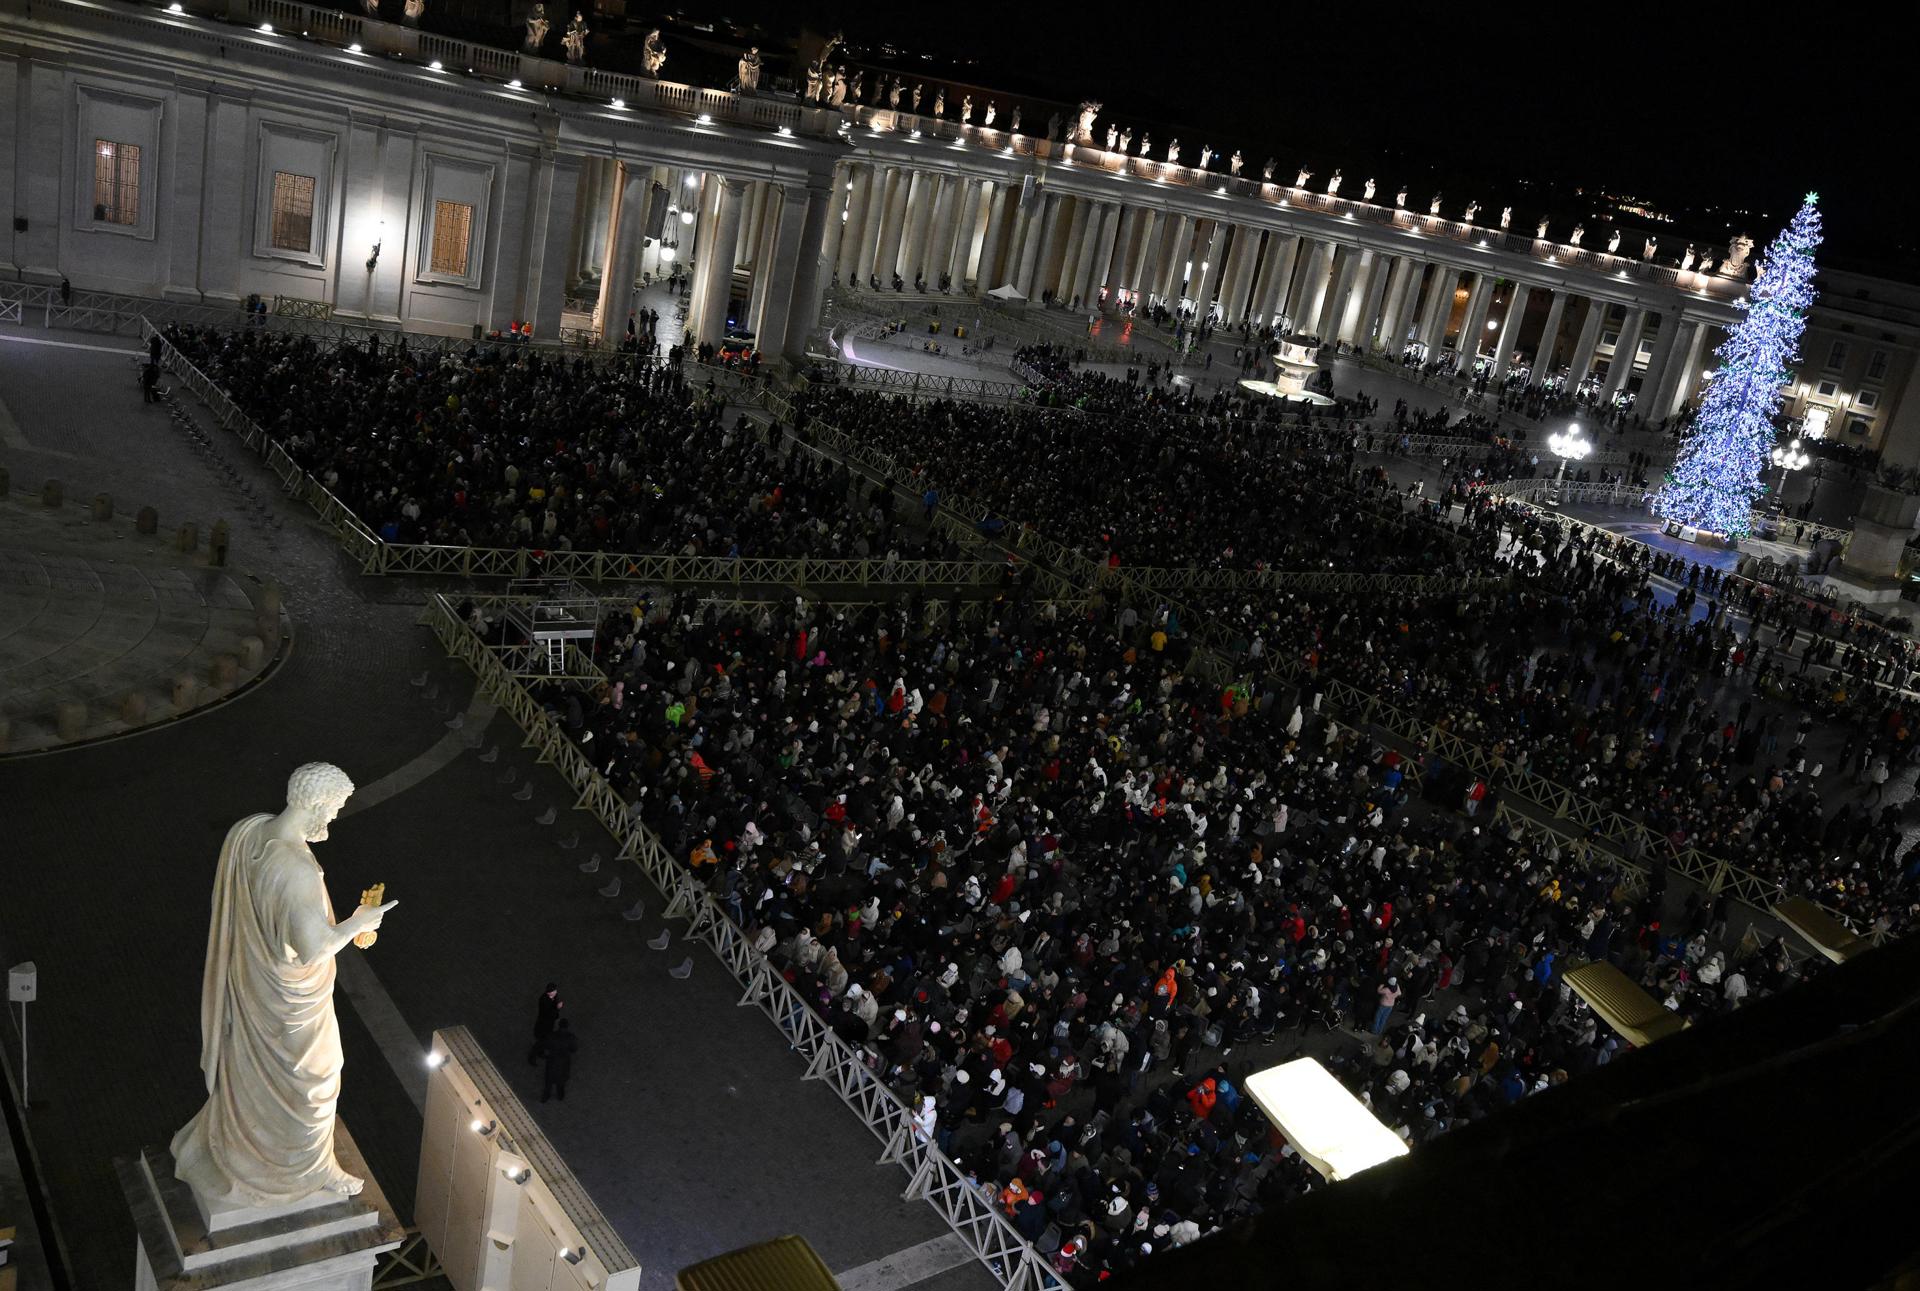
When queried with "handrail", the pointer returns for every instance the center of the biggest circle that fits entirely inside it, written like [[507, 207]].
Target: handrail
[[932, 1175]]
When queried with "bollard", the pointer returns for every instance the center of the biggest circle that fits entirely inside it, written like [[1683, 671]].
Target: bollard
[[218, 540], [186, 692], [72, 718], [133, 709], [148, 521], [253, 653], [189, 539], [103, 506], [226, 671], [52, 494]]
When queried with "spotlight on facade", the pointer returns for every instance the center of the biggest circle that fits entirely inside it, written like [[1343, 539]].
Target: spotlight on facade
[[436, 1059], [355, 48], [686, 217], [705, 118], [435, 66], [619, 105], [176, 7], [786, 132], [515, 84], [265, 29], [573, 1256], [667, 254], [483, 1128]]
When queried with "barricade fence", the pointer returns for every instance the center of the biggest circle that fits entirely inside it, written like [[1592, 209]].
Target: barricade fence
[[932, 1175]]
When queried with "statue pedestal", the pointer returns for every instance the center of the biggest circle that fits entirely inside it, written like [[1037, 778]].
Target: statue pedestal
[[322, 1243], [1881, 526]]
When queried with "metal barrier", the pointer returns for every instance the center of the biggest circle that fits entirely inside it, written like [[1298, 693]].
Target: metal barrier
[[408, 1264], [933, 1177], [1636, 497], [1192, 578]]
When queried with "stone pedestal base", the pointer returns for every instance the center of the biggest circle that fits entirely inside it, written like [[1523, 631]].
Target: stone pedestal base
[[1848, 586], [322, 1243], [1881, 526]]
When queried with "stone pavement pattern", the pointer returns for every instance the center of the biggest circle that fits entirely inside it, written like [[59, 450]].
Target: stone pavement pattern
[[686, 1119], [122, 624]]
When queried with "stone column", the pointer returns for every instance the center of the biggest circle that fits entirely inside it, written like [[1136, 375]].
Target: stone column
[[1119, 265], [581, 234], [1283, 249], [966, 223], [1473, 326], [1072, 234], [887, 259], [1146, 232], [1439, 309], [1312, 288], [1584, 346], [1549, 337], [1402, 283], [836, 232], [1510, 329], [629, 225], [1173, 256], [1366, 323], [716, 265], [853, 227], [1665, 345], [552, 241], [791, 303], [753, 204], [1025, 219], [919, 227], [1326, 320], [938, 251], [1094, 270], [1040, 247], [1233, 279], [604, 188], [1001, 217], [866, 261], [765, 293], [1681, 373], [1209, 256], [1625, 352]]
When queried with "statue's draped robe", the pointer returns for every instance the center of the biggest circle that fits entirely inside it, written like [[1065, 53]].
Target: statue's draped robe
[[270, 1045]]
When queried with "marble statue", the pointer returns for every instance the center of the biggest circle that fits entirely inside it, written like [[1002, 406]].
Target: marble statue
[[1054, 126], [1400, 198], [1088, 109], [575, 39], [1737, 252], [1366, 191], [1579, 231], [372, 7], [1126, 139], [1013, 122], [413, 10], [1687, 258], [1146, 144], [1705, 266], [914, 98], [894, 92], [1300, 180], [837, 87], [857, 87], [1234, 163], [1334, 182], [966, 109], [1266, 171], [1473, 209], [814, 83], [1540, 230], [940, 102], [1506, 217], [653, 53], [1613, 243], [1113, 135], [1433, 208], [750, 69], [269, 1042], [1206, 155], [987, 120], [1173, 152], [537, 27], [1646, 251]]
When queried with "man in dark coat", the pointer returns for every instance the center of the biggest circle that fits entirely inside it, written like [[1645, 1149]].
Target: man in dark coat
[[561, 1046], [549, 1006]]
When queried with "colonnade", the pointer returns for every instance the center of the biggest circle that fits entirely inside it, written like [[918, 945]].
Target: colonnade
[[875, 221]]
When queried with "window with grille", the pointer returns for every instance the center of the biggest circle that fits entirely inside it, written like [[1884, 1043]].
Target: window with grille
[[452, 238], [1837, 355], [1877, 366], [116, 182], [292, 227]]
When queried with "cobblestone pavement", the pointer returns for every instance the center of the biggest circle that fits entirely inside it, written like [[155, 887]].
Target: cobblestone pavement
[[686, 1118]]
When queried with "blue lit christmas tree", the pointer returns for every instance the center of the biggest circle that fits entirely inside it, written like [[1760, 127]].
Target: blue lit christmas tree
[[1716, 477]]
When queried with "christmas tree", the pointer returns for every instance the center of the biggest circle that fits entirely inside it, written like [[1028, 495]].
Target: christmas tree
[[1716, 476]]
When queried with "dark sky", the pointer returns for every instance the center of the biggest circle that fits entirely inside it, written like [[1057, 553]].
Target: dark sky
[[1676, 103]]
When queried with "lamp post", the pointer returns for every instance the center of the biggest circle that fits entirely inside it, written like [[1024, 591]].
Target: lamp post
[[1569, 446], [1788, 458]]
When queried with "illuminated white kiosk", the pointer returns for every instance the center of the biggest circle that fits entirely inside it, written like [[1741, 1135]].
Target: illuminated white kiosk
[[1294, 365], [1333, 1131]]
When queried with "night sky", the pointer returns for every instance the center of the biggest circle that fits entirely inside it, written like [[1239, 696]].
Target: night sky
[[1523, 106]]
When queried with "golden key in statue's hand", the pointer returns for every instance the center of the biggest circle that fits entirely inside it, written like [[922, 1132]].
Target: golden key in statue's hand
[[372, 896]]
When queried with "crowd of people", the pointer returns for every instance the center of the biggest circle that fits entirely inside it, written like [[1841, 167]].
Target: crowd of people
[[1061, 889]]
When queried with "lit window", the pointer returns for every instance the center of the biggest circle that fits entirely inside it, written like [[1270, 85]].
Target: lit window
[[116, 182], [1837, 356], [452, 237], [292, 211]]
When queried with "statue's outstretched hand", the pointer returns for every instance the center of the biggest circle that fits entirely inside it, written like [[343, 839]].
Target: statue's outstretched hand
[[367, 918]]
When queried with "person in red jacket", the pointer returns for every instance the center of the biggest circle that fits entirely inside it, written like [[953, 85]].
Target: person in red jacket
[[1202, 1097]]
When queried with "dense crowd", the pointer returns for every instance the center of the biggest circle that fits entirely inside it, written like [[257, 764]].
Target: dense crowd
[[1060, 888], [1065, 895]]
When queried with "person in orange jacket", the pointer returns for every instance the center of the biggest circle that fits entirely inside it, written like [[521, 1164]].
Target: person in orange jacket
[[1202, 1097]]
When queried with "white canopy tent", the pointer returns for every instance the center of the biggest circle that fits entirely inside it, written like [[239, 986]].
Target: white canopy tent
[[1333, 1131]]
